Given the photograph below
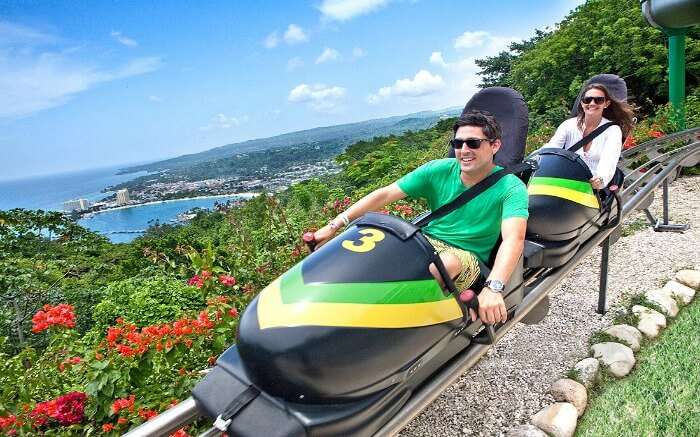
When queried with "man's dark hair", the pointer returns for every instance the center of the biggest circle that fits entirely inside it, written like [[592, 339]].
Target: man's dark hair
[[483, 119]]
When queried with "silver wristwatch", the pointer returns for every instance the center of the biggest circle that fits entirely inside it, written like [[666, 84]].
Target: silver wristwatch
[[495, 285]]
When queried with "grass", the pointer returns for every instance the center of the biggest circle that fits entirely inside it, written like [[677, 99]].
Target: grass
[[634, 226], [662, 396]]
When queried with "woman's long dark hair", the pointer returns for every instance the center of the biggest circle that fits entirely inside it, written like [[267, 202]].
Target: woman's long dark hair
[[618, 111]]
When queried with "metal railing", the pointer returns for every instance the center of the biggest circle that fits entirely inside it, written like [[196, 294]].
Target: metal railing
[[642, 180]]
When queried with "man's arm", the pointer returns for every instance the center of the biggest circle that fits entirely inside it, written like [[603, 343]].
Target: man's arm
[[492, 308], [374, 201]]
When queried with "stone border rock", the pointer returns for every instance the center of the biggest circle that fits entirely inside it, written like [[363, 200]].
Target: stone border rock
[[560, 419]]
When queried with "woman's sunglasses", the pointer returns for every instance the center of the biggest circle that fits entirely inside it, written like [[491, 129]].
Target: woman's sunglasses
[[599, 100], [472, 143]]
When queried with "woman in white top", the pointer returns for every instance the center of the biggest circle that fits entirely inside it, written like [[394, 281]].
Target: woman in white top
[[601, 155]]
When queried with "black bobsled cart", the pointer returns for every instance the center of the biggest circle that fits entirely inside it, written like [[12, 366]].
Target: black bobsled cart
[[338, 344]]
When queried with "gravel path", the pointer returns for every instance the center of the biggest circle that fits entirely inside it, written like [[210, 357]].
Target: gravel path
[[510, 383]]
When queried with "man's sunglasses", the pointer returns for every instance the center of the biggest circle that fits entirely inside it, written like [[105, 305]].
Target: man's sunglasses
[[472, 143], [599, 100]]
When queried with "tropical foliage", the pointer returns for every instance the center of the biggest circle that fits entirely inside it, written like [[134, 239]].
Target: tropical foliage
[[96, 337]]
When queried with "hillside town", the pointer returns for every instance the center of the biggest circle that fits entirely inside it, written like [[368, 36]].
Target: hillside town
[[160, 191]]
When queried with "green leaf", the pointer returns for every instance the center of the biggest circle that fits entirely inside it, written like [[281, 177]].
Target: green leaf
[[93, 388], [99, 365]]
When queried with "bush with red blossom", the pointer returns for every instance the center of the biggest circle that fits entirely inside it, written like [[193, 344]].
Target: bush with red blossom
[[61, 315], [66, 410]]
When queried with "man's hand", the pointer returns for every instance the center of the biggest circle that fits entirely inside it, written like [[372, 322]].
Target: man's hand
[[324, 234], [492, 308]]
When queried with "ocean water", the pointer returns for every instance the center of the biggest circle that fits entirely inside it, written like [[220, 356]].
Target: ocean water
[[119, 225], [124, 224], [49, 192]]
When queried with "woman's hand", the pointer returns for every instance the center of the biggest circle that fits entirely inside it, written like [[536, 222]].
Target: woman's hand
[[597, 183]]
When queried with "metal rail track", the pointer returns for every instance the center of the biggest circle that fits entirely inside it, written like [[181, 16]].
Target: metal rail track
[[645, 166]]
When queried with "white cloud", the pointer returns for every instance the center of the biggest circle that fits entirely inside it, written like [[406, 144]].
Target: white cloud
[[357, 52], [294, 63], [458, 68], [271, 40], [30, 84], [155, 99], [295, 35], [497, 44], [222, 121], [124, 40], [342, 10], [437, 59], [422, 84], [468, 40], [328, 55], [319, 96], [11, 34], [38, 71], [486, 43]]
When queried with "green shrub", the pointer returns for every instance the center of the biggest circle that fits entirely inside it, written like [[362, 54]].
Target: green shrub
[[145, 301]]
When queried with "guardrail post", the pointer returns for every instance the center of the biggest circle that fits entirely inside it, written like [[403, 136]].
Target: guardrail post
[[666, 226], [603, 289]]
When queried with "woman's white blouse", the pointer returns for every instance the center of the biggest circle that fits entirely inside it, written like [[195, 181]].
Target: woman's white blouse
[[605, 150]]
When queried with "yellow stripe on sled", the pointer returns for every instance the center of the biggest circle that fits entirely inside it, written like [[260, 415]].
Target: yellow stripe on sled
[[585, 199], [273, 313]]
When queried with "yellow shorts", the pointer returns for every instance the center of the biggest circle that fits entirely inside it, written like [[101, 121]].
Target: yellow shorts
[[470, 264]]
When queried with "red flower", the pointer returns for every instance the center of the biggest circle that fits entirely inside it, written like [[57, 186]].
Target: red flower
[[122, 420], [123, 404], [66, 410], [7, 422], [656, 134], [196, 281], [147, 414], [70, 408], [630, 142], [59, 315], [126, 351], [233, 312], [180, 433], [227, 280], [107, 427]]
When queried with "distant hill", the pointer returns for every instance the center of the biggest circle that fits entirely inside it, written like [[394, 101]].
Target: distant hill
[[330, 137]]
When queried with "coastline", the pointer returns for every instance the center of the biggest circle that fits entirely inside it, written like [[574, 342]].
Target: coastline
[[156, 202]]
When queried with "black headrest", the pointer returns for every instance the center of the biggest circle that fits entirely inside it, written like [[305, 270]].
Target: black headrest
[[614, 83], [510, 110]]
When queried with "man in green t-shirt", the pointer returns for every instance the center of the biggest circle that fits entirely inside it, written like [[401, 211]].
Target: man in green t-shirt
[[470, 232]]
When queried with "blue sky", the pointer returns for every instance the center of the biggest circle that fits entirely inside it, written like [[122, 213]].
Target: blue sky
[[91, 84]]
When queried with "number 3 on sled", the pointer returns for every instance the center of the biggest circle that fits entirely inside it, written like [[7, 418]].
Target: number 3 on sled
[[366, 243]]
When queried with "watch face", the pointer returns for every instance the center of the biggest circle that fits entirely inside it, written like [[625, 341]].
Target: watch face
[[495, 285]]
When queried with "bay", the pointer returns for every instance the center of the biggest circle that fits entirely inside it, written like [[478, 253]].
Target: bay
[[122, 225]]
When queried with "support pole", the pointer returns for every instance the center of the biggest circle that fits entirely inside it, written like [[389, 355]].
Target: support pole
[[603, 290], [666, 226], [676, 75]]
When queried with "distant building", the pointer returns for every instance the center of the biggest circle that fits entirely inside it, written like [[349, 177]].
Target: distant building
[[122, 197], [76, 205], [71, 205]]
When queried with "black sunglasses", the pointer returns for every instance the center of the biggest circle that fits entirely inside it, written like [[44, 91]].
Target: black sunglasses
[[599, 100], [472, 143]]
